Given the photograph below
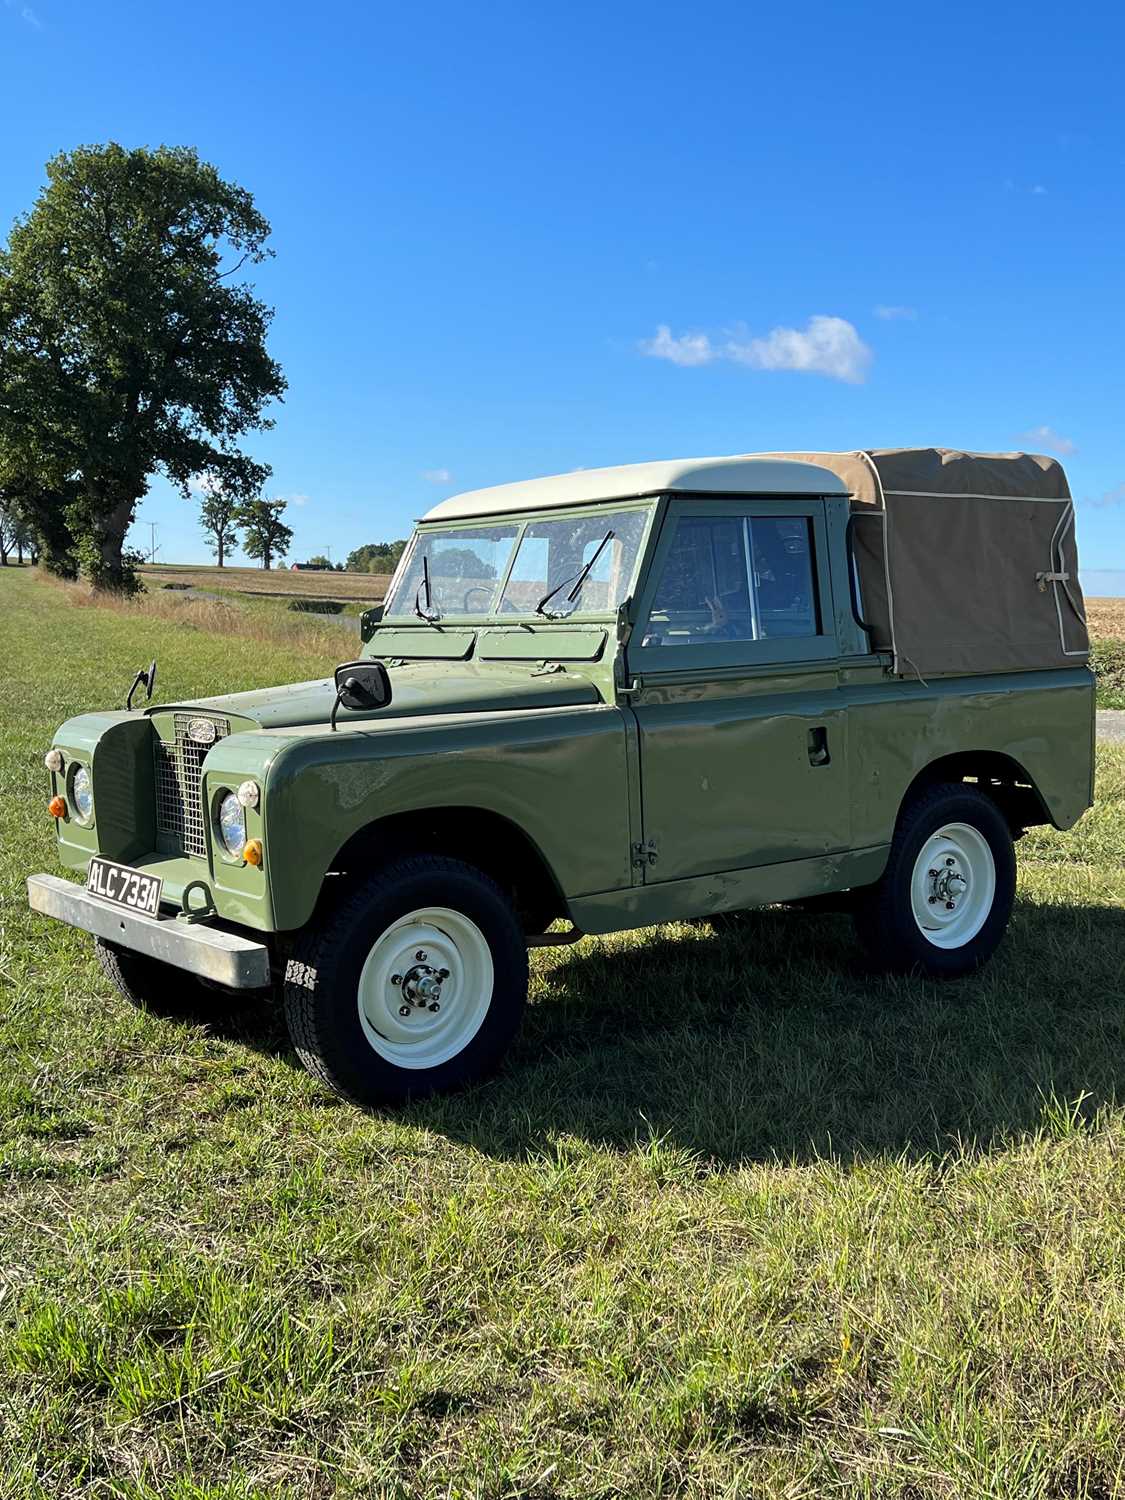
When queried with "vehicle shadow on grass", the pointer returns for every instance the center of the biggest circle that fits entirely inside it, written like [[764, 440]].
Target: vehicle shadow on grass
[[770, 1038]]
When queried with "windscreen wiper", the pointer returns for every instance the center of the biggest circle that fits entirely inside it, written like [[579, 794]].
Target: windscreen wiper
[[429, 614], [578, 579]]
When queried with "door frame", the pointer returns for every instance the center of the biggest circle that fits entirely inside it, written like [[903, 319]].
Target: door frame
[[653, 666], [645, 660]]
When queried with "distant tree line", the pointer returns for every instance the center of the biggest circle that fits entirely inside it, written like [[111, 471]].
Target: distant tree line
[[128, 349], [376, 557], [16, 535]]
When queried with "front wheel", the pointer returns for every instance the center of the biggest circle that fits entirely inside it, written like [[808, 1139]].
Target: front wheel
[[152, 985], [414, 984], [943, 903]]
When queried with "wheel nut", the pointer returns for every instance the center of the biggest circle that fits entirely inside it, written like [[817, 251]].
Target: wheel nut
[[949, 906], [404, 1010], [396, 978], [435, 1007], [949, 861], [421, 957], [932, 900], [933, 874], [443, 973]]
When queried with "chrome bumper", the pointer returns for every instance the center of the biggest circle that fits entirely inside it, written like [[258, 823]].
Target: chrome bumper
[[224, 957]]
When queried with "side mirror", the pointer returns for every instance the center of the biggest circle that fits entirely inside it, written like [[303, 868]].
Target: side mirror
[[144, 679], [361, 685]]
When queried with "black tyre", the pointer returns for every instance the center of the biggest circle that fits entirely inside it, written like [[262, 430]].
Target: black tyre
[[414, 984], [151, 985], [946, 895]]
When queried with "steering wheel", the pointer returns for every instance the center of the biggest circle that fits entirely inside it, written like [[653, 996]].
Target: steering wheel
[[477, 588]]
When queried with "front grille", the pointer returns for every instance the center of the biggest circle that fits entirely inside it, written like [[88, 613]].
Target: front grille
[[179, 769]]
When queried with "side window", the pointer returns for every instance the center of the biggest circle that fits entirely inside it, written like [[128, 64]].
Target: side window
[[784, 572], [736, 578]]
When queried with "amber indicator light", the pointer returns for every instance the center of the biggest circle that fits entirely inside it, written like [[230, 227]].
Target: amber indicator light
[[57, 807], [252, 854]]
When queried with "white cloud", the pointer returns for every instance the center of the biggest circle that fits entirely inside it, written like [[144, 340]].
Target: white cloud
[[1039, 191], [688, 349], [1115, 496], [297, 500], [437, 476], [203, 484], [26, 14], [1048, 438], [893, 314], [825, 346]]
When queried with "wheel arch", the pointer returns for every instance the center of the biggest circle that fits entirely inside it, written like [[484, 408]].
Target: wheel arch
[[998, 775], [480, 837]]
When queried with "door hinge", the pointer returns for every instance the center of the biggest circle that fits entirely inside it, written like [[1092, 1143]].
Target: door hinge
[[645, 854]]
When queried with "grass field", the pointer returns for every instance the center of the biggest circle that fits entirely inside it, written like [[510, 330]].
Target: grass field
[[739, 1219]]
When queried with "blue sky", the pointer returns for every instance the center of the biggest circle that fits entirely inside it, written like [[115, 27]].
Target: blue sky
[[517, 239]]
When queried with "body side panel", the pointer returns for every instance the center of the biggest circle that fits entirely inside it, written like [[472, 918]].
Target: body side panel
[[559, 775], [1044, 721], [727, 890]]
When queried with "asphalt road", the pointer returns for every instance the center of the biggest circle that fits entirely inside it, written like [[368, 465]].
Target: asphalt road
[[1111, 724]]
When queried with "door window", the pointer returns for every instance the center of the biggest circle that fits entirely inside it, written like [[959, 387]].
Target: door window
[[736, 578]]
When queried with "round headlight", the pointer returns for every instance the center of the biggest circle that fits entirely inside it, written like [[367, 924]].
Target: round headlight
[[232, 825], [82, 793]]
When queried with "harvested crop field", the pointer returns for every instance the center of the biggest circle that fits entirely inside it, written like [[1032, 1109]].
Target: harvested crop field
[[282, 583], [1106, 618]]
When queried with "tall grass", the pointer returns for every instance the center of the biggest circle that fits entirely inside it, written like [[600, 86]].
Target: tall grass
[[248, 619]]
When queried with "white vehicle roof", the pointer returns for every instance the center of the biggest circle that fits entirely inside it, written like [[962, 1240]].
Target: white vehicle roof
[[739, 474]]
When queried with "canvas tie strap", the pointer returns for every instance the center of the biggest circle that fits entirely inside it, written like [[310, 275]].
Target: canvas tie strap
[[1043, 579]]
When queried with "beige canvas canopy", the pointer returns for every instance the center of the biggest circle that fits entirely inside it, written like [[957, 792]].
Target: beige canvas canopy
[[967, 562]]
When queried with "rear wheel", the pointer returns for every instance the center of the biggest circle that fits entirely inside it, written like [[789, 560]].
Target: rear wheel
[[945, 898], [414, 984]]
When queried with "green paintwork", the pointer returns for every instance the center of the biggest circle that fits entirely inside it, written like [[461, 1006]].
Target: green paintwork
[[532, 645], [436, 641], [420, 687], [653, 783]]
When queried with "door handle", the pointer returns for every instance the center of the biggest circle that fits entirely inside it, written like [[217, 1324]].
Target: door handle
[[818, 746]]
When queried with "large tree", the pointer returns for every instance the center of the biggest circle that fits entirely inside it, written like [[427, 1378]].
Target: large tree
[[267, 535], [126, 349], [217, 517]]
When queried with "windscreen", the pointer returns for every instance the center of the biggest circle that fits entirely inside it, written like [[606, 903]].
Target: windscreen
[[562, 566], [465, 567], [551, 575]]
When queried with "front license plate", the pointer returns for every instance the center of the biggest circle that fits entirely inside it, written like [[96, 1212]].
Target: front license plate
[[124, 886]]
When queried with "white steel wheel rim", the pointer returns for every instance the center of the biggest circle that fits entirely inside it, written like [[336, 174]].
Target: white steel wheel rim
[[435, 965], [953, 886]]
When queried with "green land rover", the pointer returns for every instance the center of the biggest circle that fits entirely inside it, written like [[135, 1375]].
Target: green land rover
[[598, 701]]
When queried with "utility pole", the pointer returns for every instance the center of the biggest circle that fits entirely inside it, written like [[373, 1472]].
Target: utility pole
[[152, 549]]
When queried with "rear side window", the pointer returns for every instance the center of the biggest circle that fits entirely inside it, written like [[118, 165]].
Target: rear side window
[[736, 578]]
